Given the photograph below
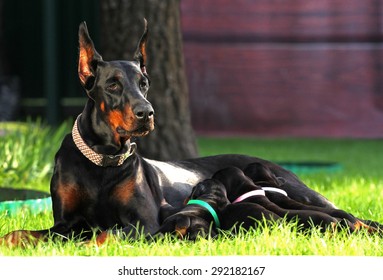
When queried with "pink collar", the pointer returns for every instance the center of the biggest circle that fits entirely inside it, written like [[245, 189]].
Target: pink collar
[[270, 189], [249, 194]]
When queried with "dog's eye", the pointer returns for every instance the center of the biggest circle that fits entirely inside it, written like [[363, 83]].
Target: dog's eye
[[144, 84], [113, 87]]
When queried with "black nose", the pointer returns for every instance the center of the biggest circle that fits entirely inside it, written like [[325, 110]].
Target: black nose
[[144, 111]]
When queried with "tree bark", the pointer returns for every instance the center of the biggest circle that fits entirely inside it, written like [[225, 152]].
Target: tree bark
[[121, 27], [2, 58]]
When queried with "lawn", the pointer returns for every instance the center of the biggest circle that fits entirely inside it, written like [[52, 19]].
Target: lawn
[[356, 187]]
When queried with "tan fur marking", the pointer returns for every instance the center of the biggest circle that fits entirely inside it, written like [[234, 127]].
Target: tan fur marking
[[125, 120], [124, 191], [21, 238], [181, 231], [102, 106], [70, 196], [359, 225]]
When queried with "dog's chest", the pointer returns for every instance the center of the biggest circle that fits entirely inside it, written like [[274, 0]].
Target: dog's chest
[[173, 175]]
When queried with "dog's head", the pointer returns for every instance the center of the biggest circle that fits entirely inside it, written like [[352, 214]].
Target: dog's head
[[117, 88], [235, 181], [262, 175], [212, 191]]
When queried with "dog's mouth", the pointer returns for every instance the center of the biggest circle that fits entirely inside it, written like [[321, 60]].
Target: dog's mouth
[[122, 132], [125, 124], [142, 130]]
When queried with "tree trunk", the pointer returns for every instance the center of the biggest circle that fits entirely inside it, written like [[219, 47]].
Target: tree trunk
[[121, 27], [2, 58], [9, 85]]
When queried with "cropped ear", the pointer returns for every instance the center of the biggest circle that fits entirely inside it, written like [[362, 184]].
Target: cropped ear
[[88, 57], [140, 54], [198, 190]]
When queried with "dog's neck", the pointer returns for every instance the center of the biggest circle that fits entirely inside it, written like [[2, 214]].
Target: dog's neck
[[217, 201], [97, 158], [99, 136]]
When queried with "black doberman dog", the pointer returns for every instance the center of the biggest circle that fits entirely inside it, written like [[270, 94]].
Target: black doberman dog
[[241, 188], [208, 210], [99, 182]]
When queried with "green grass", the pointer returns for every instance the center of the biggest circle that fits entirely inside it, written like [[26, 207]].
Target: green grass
[[357, 188], [27, 152]]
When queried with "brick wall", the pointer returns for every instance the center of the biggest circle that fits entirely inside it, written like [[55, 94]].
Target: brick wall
[[285, 68]]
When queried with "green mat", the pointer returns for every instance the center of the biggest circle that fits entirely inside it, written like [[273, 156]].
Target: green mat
[[14, 200]]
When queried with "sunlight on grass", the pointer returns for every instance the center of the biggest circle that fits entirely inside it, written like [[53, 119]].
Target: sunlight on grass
[[27, 154], [276, 240]]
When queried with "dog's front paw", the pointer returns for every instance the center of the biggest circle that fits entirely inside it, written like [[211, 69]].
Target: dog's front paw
[[99, 240], [102, 238], [20, 238]]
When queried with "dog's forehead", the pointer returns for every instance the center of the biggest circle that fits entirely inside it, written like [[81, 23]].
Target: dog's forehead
[[212, 183], [121, 68], [209, 185]]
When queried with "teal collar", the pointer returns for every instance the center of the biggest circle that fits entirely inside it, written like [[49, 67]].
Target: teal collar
[[207, 207]]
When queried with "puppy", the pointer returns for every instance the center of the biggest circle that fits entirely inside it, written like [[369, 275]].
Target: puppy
[[196, 219]]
